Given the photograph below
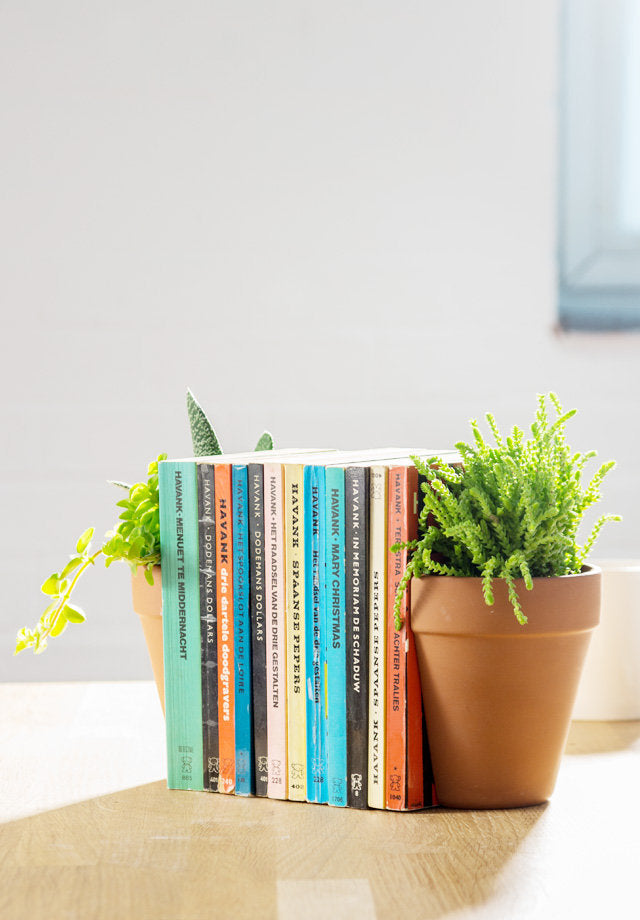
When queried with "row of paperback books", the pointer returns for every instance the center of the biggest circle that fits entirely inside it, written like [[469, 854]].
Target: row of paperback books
[[284, 673]]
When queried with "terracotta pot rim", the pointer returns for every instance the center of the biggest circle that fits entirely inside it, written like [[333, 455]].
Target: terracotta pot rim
[[586, 570], [455, 605]]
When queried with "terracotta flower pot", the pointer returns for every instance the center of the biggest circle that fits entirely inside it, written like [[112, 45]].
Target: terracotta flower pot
[[498, 696], [147, 603]]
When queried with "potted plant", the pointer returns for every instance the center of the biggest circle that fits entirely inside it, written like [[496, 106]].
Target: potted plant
[[502, 608], [134, 540]]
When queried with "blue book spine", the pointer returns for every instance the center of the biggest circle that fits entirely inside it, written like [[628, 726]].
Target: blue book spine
[[181, 622], [314, 512], [245, 784], [336, 669]]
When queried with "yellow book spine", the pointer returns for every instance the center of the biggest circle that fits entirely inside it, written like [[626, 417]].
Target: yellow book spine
[[378, 551], [294, 613]]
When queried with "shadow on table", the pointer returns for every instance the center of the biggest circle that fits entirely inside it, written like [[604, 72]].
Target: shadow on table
[[455, 862], [149, 852]]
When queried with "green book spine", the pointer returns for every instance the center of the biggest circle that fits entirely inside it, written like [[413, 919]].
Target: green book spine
[[181, 622]]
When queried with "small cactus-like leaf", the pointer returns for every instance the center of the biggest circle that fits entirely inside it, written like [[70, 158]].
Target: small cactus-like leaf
[[265, 442], [205, 441]]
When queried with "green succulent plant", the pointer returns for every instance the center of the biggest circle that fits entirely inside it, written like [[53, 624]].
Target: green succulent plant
[[135, 539], [509, 510]]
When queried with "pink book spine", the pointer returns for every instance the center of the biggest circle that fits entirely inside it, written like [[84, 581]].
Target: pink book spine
[[276, 632]]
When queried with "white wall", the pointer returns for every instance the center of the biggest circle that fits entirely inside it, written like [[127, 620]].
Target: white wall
[[336, 220]]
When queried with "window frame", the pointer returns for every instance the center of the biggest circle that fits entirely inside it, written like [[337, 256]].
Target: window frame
[[598, 258]]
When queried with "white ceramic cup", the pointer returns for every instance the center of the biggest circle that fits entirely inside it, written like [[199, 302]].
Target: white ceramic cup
[[610, 684]]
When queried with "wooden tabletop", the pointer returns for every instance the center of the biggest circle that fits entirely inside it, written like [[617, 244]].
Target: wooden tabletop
[[89, 830]]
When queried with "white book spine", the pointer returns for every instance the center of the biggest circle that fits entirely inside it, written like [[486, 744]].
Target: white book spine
[[276, 633]]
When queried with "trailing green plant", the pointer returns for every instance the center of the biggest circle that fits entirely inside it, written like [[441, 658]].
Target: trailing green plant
[[509, 510], [135, 539]]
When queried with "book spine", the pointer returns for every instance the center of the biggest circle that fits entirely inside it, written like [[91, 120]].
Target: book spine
[[377, 592], [245, 784], [314, 615], [357, 632], [428, 784], [258, 636], [415, 739], [224, 585], [322, 535], [208, 625], [404, 730], [294, 616], [276, 634], [181, 623], [336, 664]]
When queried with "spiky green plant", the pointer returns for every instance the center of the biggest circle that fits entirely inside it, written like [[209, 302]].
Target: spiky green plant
[[508, 511], [205, 440]]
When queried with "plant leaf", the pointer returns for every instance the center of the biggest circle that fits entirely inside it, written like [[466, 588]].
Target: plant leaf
[[265, 441], [205, 441], [70, 566], [24, 639], [60, 625], [73, 614], [120, 485], [84, 540], [50, 608], [52, 585]]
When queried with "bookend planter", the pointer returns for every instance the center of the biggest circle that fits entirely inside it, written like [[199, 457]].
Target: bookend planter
[[147, 603], [498, 696]]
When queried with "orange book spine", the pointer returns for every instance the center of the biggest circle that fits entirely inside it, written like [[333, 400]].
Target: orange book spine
[[404, 782], [224, 580], [415, 741]]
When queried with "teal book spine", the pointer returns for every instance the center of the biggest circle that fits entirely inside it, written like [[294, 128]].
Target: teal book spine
[[335, 637], [178, 495], [314, 512], [245, 784]]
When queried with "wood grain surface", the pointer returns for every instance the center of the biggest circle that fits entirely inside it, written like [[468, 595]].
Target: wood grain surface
[[89, 830]]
